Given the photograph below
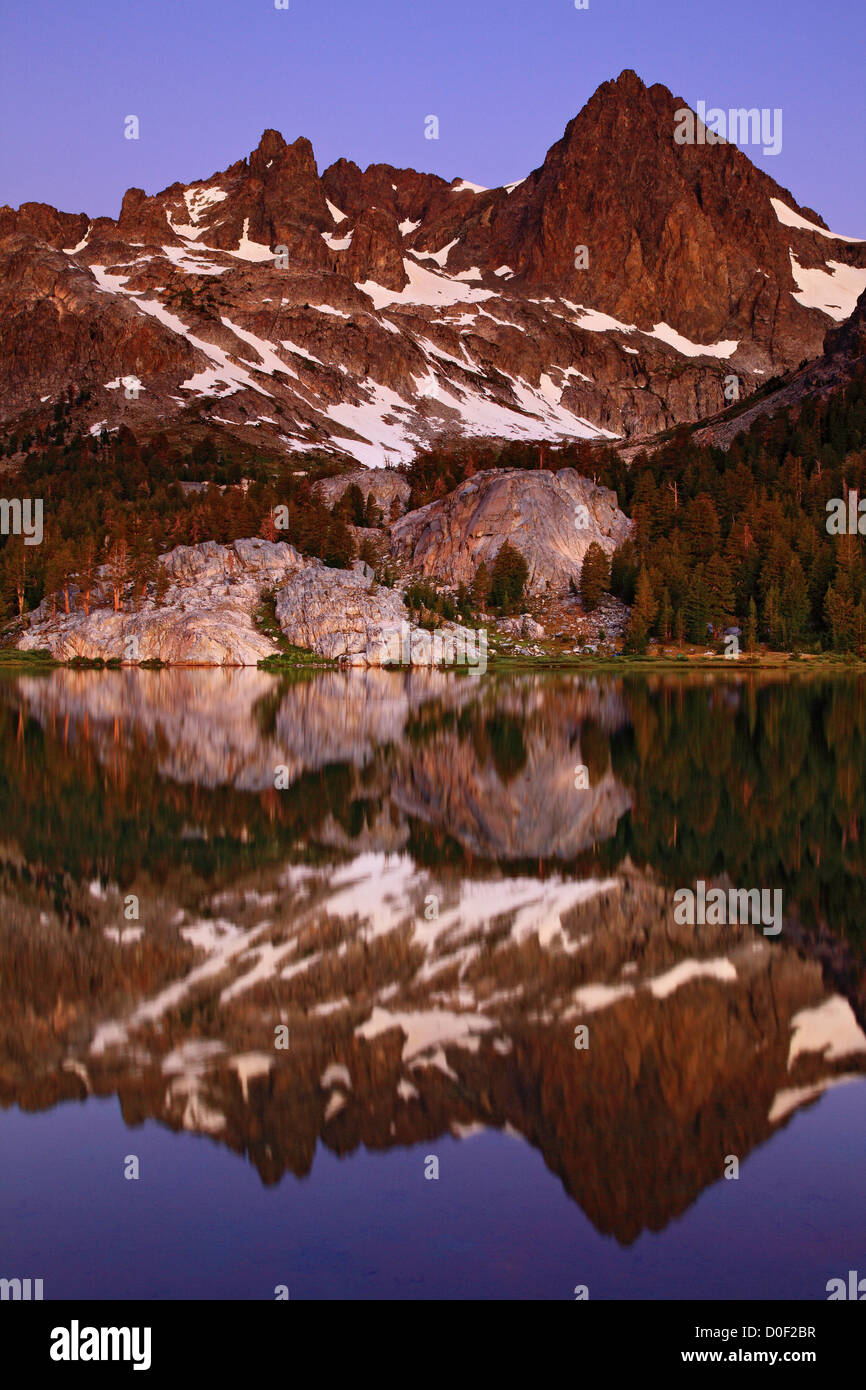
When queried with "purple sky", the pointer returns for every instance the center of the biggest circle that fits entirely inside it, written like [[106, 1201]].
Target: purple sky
[[205, 77]]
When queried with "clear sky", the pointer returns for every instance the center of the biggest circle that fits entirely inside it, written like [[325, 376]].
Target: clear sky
[[358, 77]]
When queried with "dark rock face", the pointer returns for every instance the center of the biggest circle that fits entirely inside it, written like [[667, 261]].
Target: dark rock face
[[845, 346], [844, 354], [45, 224], [376, 251], [680, 234], [385, 309]]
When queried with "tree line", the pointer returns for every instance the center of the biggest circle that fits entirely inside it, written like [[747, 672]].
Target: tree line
[[722, 538], [734, 538], [117, 501]]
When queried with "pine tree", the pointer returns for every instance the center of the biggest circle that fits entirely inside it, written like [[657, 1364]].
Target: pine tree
[[643, 614], [696, 610], [720, 591], [372, 512], [665, 616], [508, 578], [623, 571], [773, 619], [142, 562], [840, 614], [118, 569], [752, 628], [54, 577], [268, 529], [15, 571], [86, 560], [339, 551], [594, 577], [67, 559], [350, 507], [794, 602], [480, 587]]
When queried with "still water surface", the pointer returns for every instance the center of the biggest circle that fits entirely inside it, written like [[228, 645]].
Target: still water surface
[[405, 879]]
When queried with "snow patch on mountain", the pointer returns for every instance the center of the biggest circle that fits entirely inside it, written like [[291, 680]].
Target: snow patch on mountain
[[302, 352], [534, 417], [383, 440], [200, 200], [666, 334], [834, 291], [251, 250], [789, 218], [73, 250], [594, 321], [193, 265], [328, 309], [337, 243], [424, 287], [440, 256], [389, 427], [217, 383], [466, 366], [267, 351]]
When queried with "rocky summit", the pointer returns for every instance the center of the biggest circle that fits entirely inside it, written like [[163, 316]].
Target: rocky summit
[[611, 292]]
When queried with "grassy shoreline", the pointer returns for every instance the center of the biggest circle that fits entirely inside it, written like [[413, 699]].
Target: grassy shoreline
[[298, 659], [765, 661]]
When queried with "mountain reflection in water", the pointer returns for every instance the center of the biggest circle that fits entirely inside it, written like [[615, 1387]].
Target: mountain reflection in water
[[431, 906]]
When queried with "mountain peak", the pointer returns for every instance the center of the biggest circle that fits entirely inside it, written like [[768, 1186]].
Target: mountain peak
[[626, 89], [622, 104], [666, 269], [628, 80], [271, 146]]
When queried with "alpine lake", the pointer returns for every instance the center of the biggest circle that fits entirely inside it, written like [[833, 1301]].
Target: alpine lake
[[370, 984]]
